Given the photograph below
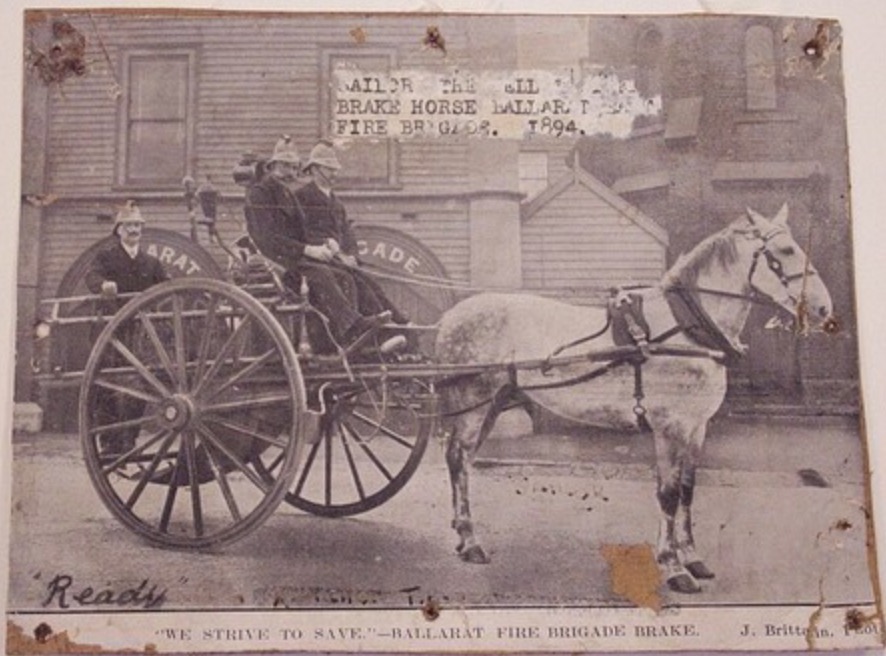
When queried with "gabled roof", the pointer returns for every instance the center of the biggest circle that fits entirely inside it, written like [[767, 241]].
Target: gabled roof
[[579, 176]]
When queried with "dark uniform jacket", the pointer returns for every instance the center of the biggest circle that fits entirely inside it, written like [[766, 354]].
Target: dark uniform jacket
[[325, 218], [276, 222], [131, 274], [277, 225]]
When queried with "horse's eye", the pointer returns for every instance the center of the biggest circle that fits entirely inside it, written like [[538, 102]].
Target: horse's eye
[[787, 250]]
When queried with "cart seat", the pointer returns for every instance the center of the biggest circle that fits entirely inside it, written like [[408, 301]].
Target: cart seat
[[257, 274]]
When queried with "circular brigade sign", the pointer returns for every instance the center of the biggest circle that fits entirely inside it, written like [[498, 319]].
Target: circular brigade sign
[[402, 256]]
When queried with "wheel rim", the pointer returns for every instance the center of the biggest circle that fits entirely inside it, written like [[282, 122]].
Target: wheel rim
[[187, 389], [367, 446]]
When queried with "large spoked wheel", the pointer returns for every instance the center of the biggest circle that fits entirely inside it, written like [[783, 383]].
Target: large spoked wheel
[[187, 389], [366, 446]]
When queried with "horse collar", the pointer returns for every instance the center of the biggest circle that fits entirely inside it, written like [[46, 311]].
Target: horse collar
[[694, 322]]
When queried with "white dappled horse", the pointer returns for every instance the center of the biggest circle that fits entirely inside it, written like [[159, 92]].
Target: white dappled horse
[[703, 300]]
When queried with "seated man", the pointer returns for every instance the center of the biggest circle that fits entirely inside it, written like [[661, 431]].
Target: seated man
[[121, 269], [327, 224], [276, 223]]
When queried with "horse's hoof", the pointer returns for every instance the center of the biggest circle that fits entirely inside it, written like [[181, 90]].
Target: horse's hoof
[[474, 555], [699, 570], [684, 583]]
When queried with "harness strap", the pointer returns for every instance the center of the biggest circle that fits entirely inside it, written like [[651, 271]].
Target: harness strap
[[547, 366], [639, 410], [590, 375], [698, 326]]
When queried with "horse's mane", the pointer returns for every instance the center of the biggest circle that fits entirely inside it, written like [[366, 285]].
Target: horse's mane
[[719, 247]]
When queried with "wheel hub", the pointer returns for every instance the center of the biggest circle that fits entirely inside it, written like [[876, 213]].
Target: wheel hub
[[177, 411]]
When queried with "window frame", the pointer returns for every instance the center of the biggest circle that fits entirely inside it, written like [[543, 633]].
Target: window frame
[[328, 54], [524, 157], [760, 34], [122, 174]]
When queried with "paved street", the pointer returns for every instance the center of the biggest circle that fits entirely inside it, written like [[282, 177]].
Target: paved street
[[544, 508]]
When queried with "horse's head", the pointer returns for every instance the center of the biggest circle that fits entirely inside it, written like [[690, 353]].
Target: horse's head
[[781, 270]]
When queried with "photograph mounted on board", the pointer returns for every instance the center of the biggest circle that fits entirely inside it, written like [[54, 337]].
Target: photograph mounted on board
[[497, 332]]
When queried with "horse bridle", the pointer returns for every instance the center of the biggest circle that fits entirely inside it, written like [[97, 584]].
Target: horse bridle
[[775, 265]]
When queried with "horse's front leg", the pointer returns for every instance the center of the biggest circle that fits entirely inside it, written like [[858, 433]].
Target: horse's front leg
[[685, 540], [668, 448], [457, 459]]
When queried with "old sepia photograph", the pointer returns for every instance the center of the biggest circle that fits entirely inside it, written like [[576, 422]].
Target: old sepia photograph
[[436, 332]]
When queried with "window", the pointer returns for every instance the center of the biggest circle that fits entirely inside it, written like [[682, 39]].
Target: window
[[365, 162], [649, 57], [759, 56], [533, 169], [156, 121]]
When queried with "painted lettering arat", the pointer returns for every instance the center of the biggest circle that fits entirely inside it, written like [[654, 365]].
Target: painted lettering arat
[[171, 258]]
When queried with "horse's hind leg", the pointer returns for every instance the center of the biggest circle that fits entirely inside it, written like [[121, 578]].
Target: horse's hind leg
[[468, 436], [459, 452], [669, 456]]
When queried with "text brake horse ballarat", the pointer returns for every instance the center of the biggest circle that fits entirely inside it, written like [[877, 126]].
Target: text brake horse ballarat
[[671, 381]]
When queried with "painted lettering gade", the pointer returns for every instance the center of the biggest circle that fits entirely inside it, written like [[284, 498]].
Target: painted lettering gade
[[389, 253]]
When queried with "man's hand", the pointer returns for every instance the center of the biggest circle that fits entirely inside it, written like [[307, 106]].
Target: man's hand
[[347, 260], [109, 288], [322, 253]]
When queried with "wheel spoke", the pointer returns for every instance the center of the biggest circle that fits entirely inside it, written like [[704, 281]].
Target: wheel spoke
[[206, 340], [309, 462], [275, 463], [245, 430], [222, 355], [253, 366], [127, 391], [119, 460], [327, 492], [150, 471], [173, 488], [257, 401], [140, 367], [206, 434], [117, 425], [397, 437], [222, 480], [179, 332], [151, 330], [363, 445], [351, 464], [196, 502]]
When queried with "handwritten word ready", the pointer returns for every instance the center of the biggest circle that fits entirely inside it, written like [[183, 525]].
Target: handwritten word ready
[[62, 592]]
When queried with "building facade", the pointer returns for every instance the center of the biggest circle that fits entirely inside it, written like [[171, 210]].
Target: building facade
[[169, 95]]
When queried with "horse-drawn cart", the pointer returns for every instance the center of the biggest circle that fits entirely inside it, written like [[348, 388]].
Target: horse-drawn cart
[[217, 393], [226, 403]]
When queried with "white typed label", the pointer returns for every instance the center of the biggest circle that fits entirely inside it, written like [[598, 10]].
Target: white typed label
[[496, 104]]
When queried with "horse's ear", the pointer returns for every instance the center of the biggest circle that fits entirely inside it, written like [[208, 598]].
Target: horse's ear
[[753, 216], [782, 217]]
